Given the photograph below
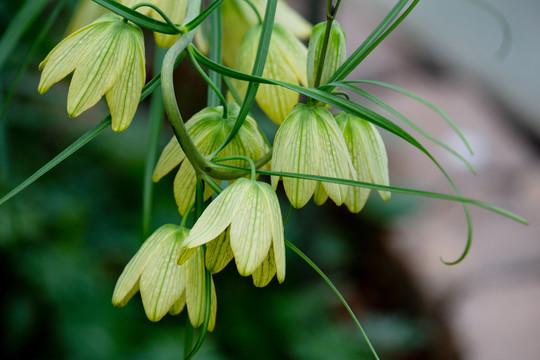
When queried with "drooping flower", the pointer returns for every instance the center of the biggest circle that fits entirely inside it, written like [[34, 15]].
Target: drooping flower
[[239, 18], [309, 142], [165, 286], [208, 130], [335, 52], [106, 58], [368, 156], [286, 61], [243, 222]]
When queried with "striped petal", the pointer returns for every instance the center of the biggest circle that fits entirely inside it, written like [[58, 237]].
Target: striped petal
[[128, 282], [296, 149], [97, 72], [251, 233], [196, 291], [123, 98], [335, 158], [276, 224], [218, 215], [171, 156], [219, 253], [163, 282]]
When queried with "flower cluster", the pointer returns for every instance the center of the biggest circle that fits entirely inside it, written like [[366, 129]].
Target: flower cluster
[[173, 269]]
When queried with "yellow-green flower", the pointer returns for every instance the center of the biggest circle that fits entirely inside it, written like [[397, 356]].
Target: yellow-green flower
[[309, 142], [335, 52], [106, 58], [174, 9], [208, 130], [165, 286], [239, 18], [368, 156], [249, 211], [286, 61]]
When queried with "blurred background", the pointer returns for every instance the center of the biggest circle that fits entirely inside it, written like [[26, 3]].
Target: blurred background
[[65, 240]]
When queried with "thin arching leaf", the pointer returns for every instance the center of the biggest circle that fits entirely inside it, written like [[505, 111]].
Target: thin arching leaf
[[408, 122], [420, 99]]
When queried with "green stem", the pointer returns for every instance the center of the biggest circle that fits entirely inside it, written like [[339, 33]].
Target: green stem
[[330, 16], [178, 29], [255, 10], [196, 159], [335, 290], [239, 157], [188, 340], [156, 117]]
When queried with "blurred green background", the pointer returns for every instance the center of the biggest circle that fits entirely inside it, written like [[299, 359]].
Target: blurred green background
[[65, 240]]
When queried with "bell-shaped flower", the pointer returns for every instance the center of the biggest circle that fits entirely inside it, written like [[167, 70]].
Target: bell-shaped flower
[[106, 58], [286, 61], [208, 130], [165, 286], [309, 142], [243, 222], [239, 18], [174, 9], [368, 156], [335, 52]]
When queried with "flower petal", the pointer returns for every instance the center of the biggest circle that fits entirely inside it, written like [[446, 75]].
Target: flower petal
[[296, 149], [196, 291], [97, 72], [66, 56], [276, 221], [335, 158], [163, 282], [185, 183], [218, 253], [123, 98], [128, 282], [171, 156], [218, 215], [266, 271], [251, 231]]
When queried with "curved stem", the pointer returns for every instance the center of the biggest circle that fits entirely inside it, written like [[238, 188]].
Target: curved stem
[[245, 158], [161, 13]]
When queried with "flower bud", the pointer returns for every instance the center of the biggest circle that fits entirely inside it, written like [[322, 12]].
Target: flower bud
[[335, 52], [106, 58], [368, 156], [286, 61]]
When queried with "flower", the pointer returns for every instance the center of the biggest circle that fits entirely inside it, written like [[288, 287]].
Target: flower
[[174, 9], [107, 58], [286, 61], [309, 142], [208, 130], [368, 156], [165, 286], [250, 211], [335, 53], [239, 18]]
